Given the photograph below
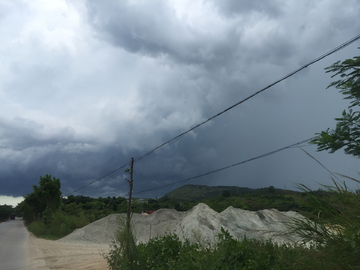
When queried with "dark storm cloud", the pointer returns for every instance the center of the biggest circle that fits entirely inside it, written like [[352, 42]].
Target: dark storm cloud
[[135, 28], [224, 60], [224, 55], [87, 85], [20, 134]]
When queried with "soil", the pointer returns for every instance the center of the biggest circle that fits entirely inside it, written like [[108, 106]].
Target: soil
[[46, 254]]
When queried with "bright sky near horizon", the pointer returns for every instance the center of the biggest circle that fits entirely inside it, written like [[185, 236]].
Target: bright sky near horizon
[[87, 84], [9, 200]]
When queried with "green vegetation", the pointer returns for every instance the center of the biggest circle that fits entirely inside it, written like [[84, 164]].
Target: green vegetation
[[168, 252], [334, 229], [5, 212], [124, 252], [61, 224], [201, 192], [347, 130], [42, 202], [219, 198], [48, 216]]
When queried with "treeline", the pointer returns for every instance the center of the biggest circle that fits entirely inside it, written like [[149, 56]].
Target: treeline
[[5, 212], [263, 199], [95, 208], [92, 209]]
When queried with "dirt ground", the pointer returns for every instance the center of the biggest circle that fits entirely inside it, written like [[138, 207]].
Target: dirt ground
[[47, 254]]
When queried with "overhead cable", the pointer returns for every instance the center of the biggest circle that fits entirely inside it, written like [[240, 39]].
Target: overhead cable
[[322, 165], [227, 167], [338, 48], [98, 179]]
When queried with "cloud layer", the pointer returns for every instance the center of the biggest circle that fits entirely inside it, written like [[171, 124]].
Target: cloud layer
[[88, 84]]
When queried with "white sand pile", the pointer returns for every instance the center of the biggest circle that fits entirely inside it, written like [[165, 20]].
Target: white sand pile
[[200, 224]]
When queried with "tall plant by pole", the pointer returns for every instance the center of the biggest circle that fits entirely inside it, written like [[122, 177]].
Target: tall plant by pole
[[124, 254]]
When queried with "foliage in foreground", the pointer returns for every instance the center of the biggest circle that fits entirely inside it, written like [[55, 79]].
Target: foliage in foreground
[[347, 131], [168, 252], [335, 230]]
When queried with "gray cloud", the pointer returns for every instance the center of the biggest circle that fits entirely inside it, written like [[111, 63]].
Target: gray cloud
[[232, 8], [87, 85]]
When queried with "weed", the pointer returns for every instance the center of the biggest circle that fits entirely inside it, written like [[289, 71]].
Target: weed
[[334, 231]]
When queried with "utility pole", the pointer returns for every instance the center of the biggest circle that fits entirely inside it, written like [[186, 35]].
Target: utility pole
[[59, 211], [130, 193]]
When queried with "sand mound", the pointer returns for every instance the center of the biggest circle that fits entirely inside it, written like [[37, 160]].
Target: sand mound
[[200, 224]]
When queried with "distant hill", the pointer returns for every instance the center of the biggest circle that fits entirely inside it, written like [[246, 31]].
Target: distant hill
[[200, 192]]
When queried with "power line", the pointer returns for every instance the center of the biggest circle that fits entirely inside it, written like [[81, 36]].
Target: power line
[[322, 165], [338, 48], [228, 167], [98, 179]]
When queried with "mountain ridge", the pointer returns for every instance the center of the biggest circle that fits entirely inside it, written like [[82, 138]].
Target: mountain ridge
[[200, 192]]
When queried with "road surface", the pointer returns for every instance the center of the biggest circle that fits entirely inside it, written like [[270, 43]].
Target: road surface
[[20, 250], [13, 236]]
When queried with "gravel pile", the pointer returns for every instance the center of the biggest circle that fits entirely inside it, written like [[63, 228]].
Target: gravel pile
[[200, 224]]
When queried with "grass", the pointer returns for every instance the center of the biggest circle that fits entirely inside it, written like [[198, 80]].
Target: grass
[[335, 228], [168, 252], [60, 226]]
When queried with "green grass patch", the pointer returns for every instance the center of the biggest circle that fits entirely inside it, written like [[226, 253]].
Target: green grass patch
[[168, 252], [60, 226]]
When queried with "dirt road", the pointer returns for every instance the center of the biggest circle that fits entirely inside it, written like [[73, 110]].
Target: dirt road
[[47, 254], [20, 250], [12, 238]]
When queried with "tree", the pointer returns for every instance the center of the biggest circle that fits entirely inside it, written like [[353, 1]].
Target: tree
[[5, 212], [226, 194], [43, 201], [347, 131]]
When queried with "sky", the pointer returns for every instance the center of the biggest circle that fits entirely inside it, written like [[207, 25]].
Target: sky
[[10, 200], [86, 85]]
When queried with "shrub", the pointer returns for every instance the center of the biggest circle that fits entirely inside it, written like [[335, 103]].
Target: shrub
[[60, 226], [168, 252]]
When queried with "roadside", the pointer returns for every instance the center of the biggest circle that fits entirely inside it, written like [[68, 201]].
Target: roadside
[[48, 254]]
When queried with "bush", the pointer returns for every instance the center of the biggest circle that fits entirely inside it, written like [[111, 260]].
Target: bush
[[124, 254], [60, 226], [168, 252]]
